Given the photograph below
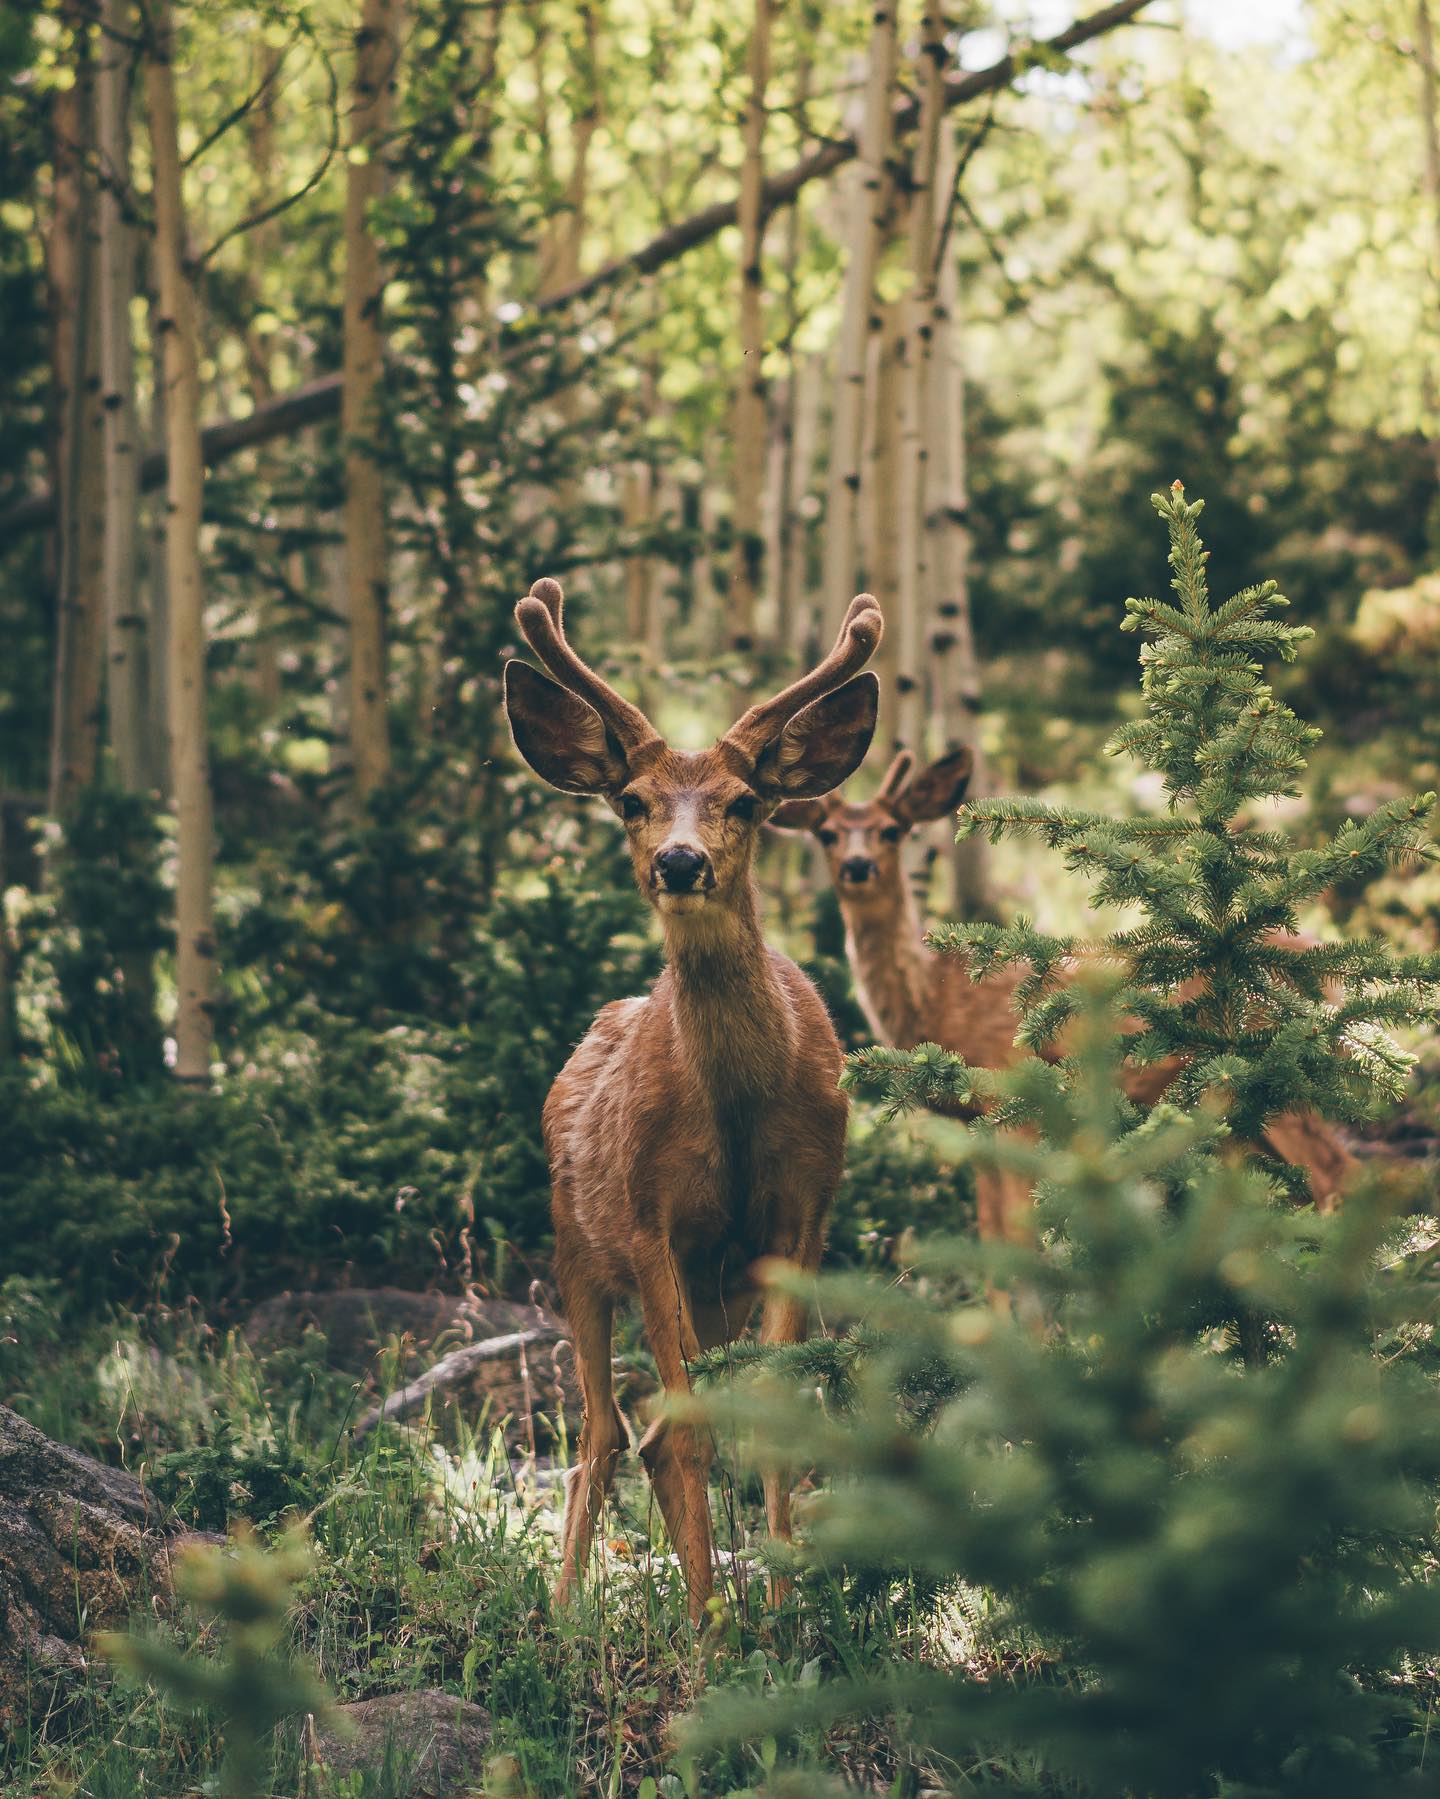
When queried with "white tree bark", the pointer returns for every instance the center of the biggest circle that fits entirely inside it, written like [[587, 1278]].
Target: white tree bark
[[748, 431], [847, 429], [189, 749]]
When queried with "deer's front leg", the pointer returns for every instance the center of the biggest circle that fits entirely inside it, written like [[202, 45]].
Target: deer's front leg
[[602, 1435], [676, 1452]]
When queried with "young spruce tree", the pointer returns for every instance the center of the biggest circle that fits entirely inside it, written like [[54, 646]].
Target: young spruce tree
[[1163, 1571], [1268, 1022]]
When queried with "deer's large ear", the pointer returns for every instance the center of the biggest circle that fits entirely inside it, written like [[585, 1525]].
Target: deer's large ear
[[797, 815], [823, 744], [561, 736], [936, 790]]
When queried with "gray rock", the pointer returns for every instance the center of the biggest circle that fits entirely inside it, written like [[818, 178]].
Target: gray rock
[[437, 1743], [358, 1322], [75, 1537]]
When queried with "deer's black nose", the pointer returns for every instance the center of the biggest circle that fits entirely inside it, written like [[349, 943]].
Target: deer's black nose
[[857, 869], [679, 869]]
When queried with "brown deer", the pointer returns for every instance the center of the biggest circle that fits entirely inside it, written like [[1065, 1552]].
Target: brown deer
[[700, 1130], [911, 995]]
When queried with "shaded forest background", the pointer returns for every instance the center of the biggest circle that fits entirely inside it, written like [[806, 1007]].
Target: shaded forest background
[[720, 317]]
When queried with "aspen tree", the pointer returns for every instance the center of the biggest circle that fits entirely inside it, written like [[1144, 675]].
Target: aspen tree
[[1425, 59], [156, 573], [126, 647], [748, 432], [564, 240], [954, 667], [79, 431], [883, 544], [796, 578], [914, 597], [189, 755], [264, 242], [847, 429], [377, 50]]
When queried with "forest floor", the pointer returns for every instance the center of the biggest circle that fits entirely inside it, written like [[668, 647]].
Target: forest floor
[[436, 1549]]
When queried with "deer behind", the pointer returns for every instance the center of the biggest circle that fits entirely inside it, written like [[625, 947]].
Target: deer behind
[[699, 1130], [912, 995]]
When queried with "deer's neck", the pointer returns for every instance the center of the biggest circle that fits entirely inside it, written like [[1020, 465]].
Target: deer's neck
[[730, 1010], [894, 971]]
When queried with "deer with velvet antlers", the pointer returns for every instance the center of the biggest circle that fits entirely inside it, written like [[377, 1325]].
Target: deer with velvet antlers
[[911, 995], [698, 1131]]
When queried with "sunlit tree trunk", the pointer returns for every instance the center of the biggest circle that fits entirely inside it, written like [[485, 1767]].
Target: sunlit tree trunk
[[189, 754], [883, 536], [748, 430], [1425, 57], [264, 246], [377, 49], [563, 246], [127, 648], [797, 574], [79, 432], [955, 668], [560, 256], [643, 603], [157, 578], [847, 430]]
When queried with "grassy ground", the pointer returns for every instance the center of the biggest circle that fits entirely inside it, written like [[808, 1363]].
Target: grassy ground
[[435, 1555]]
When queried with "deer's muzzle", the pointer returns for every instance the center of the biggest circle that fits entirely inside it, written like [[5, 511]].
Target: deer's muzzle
[[680, 869]]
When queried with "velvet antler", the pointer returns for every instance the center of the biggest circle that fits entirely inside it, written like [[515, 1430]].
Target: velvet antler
[[540, 616]]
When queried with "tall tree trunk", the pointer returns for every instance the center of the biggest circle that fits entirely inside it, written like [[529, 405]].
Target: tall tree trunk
[[954, 666], [264, 246], [564, 240], [157, 576], [127, 647], [788, 530], [377, 50], [79, 433], [883, 537], [643, 625], [748, 432], [1425, 57], [797, 573], [847, 429], [919, 307], [189, 750]]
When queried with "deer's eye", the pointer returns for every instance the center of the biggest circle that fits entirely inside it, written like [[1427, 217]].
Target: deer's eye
[[828, 837], [745, 807], [891, 834], [631, 806]]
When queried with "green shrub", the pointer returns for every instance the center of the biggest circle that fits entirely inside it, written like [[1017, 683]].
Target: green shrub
[[91, 941], [336, 1149], [1202, 1577]]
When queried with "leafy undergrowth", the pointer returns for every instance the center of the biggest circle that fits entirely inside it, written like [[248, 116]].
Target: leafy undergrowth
[[434, 1565]]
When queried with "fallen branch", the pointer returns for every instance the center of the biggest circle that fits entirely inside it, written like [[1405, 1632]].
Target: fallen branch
[[320, 399], [308, 405], [450, 1369]]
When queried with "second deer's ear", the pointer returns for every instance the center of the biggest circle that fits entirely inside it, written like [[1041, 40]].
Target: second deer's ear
[[936, 790], [561, 736], [797, 815], [823, 744]]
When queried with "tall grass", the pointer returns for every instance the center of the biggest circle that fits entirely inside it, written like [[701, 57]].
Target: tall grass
[[435, 1557]]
